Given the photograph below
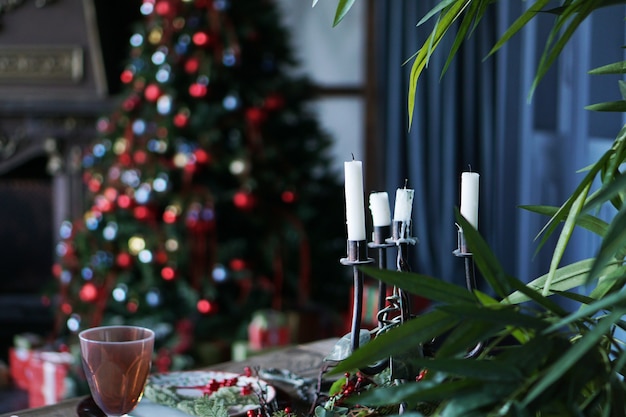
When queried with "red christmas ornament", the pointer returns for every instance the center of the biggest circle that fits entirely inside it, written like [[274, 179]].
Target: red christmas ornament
[[132, 306], [288, 197], [124, 159], [131, 103], [161, 257], [274, 102], [237, 264], [141, 212], [255, 115], [202, 156], [123, 260], [66, 308], [169, 216], [152, 92], [127, 76], [244, 200], [181, 120], [94, 185], [56, 270], [140, 157], [206, 307], [123, 201], [192, 65], [197, 90], [168, 273], [110, 193], [200, 39], [88, 293], [163, 8], [163, 361]]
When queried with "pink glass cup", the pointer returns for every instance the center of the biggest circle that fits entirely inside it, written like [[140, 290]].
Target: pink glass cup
[[116, 361]]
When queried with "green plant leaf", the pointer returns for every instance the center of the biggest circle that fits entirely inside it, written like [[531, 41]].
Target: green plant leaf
[[485, 260], [343, 7], [518, 24], [502, 314], [614, 68], [431, 288], [422, 391], [572, 355], [609, 106], [398, 340], [592, 223], [565, 278], [466, 336], [564, 237], [485, 370], [612, 243], [445, 22], [573, 15], [535, 296], [608, 302]]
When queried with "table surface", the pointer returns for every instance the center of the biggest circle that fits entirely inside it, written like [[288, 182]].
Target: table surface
[[306, 360]]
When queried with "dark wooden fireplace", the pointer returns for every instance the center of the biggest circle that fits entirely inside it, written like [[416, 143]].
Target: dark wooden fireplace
[[59, 66]]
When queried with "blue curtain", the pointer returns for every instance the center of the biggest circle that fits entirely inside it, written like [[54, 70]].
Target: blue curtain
[[452, 131], [529, 150], [479, 115]]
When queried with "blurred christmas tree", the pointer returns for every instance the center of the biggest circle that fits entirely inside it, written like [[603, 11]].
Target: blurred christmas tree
[[210, 189]]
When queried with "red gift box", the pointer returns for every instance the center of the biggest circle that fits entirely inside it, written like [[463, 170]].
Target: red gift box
[[46, 374], [268, 328], [19, 359]]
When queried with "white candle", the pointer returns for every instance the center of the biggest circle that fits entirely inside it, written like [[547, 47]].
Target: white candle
[[404, 205], [379, 206], [355, 206], [469, 197]]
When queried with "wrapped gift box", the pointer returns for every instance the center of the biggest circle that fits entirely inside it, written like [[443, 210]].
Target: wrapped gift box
[[42, 373], [268, 328], [47, 376]]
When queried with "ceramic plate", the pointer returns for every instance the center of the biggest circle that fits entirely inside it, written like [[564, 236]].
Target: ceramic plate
[[175, 394]]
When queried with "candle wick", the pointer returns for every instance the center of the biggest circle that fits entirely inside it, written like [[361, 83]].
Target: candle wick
[[406, 181], [351, 153], [469, 166]]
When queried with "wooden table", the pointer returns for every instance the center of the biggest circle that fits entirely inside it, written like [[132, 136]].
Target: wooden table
[[305, 360]]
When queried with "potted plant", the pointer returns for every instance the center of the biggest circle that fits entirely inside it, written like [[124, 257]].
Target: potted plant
[[536, 358]]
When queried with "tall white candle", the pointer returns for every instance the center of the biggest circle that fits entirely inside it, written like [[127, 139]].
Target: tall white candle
[[469, 197], [355, 206], [404, 205], [379, 206]]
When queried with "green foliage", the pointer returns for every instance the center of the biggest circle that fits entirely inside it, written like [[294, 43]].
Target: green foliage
[[537, 359]]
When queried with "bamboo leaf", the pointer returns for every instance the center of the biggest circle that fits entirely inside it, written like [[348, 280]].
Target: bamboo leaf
[[572, 355], [485, 260], [501, 314], [461, 34], [536, 297], [614, 68], [609, 106], [592, 223], [398, 340], [445, 22], [609, 191], [553, 51], [607, 303], [519, 23], [343, 7], [485, 370], [612, 243], [437, 9], [424, 391], [431, 288], [465, 337]]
